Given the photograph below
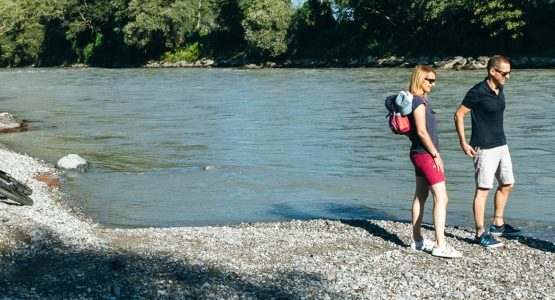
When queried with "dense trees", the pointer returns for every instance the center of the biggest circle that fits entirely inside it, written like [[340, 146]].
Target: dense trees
[[131, 32], [266, 24]]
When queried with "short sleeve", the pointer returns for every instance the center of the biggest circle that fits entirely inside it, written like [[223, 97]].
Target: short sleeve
[[417, 101], [470, 99]]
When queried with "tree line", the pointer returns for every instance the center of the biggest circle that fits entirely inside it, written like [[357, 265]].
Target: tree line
[[118, 33]]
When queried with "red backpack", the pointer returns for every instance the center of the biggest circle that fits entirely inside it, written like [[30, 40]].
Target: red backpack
[[398, 123]]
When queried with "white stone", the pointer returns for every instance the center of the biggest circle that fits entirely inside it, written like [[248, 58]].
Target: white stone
[[72, 161], [7, 121], [209, 168]]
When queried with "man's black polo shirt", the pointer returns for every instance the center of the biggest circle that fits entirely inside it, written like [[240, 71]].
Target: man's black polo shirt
[[487, 116]]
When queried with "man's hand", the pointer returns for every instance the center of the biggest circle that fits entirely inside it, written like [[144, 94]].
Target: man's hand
[[468, 150]]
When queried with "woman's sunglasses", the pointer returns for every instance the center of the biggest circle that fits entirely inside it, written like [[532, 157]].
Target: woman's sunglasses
[[430, 80]]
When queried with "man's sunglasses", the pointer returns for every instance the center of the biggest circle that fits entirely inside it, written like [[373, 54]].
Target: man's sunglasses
[[430, 80], [504, 74]]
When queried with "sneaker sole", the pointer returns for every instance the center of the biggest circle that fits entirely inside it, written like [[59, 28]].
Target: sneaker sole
[[493, 246], [422, 250], [442, 256]]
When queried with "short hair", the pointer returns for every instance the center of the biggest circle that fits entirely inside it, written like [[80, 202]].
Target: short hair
[[496, 60], [418, 76]]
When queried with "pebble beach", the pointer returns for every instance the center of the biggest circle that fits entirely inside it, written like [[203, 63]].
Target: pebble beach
[[51, 250]]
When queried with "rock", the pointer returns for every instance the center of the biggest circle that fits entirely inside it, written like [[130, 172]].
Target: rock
[[209, 168], [392, 61], [207, 62], [253, 66], [473, 64], [442, 63], [9, 124], [51, 181], [450, 63], [270, 64], [73, 161]]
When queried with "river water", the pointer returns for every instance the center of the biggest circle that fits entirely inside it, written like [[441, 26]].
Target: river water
[[284, 143]]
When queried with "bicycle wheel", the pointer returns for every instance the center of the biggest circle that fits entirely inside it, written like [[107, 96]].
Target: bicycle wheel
[[15, 196]]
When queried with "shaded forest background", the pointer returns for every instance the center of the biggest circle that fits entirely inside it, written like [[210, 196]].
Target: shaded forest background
[[118, 33]]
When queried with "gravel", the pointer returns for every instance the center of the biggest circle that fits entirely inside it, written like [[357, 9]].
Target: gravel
[[51, 250]]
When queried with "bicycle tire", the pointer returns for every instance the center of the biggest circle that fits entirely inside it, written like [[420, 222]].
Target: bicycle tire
[[17, 197]]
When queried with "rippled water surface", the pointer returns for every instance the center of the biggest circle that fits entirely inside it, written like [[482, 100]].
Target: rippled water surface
[[286, 143]]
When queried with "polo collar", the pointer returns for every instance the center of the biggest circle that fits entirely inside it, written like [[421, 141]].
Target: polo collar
[[489, 89]]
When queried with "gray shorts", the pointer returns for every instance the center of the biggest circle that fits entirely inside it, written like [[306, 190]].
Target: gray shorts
[[490, 163]]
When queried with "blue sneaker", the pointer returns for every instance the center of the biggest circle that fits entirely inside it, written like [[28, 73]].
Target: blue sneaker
[[487, 240], [503, 230]]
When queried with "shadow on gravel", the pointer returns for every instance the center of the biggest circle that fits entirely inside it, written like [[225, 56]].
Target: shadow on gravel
[[50, 270], [534, 243], [528, 241], [376, 231], [450, 235]]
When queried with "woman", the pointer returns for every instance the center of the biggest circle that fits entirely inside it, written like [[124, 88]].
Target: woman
[[428, 166]]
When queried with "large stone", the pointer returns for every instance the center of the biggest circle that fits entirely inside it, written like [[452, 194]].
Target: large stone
[[450, 63], [73, 161], [9, 124], [392, 61]]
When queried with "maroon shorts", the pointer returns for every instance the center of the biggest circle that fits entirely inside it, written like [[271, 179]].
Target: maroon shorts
[[425, 166]]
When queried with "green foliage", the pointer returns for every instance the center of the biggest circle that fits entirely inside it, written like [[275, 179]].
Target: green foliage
[[498, 17], [190, 53], [21, 31], [467, 27], [266, 24], [89, 27], [11, 14], [90, 48], [380, 27], [171, 23], [20, 13], [314, 28], [228, 37], [538, 30], [130, 32]]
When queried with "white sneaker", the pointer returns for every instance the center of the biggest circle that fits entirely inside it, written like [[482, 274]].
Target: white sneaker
[[446, 251], [422, 245]]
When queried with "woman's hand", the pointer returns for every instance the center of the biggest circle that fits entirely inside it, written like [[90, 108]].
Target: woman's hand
[[439, 162]]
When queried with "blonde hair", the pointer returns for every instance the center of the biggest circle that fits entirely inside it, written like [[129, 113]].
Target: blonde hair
[[417, 79]]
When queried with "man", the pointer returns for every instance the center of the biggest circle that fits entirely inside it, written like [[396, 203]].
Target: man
[[488, 148]]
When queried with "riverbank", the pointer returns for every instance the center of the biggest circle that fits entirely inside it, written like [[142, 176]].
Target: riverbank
[[50, 250], [444, 63]]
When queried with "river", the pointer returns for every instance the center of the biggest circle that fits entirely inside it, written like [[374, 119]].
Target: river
[[283, 143]]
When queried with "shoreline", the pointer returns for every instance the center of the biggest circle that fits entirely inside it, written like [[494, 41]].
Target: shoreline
[[441, 63], [49, 250], [458, 63]]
